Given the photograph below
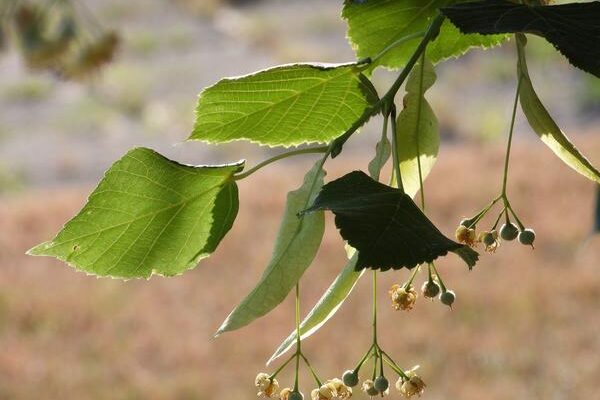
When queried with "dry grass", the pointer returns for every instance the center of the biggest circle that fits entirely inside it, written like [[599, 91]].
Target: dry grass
[[525, 324]]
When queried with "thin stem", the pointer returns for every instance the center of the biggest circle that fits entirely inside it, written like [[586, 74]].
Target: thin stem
[[310, 150], [483, 212], [312, 371], [418, 119], [510, 136], [375, 310], [412, 277], [393, 365], [395, 158], [509, 208], [274, 374], [395, 44], [367, 355], [439, 277], [431, 34], [429, 272], [388, 98], [498, 219], [298, 339]]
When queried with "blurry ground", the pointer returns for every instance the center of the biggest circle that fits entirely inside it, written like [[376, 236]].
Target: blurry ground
[[525, 324]]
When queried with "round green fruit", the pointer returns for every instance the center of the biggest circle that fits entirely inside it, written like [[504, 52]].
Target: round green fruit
[[448, 298], [296, 396], [527, 237], [430, 289], [350, 378], [381, 384], [509, 232]]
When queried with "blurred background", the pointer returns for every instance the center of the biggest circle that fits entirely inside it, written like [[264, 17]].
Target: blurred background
[[525, 323]]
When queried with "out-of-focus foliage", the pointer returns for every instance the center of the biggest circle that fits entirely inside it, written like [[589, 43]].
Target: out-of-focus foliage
[[57, 37]]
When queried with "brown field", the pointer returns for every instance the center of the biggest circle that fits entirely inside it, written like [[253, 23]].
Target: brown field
[[526, 324]]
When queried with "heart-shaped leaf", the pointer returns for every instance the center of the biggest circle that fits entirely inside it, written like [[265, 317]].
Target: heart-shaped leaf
[[574, 28], [284, 106], [383, 224], [149, 215], [375, 25]]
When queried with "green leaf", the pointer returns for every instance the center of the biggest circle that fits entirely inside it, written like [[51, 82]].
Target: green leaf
[[383, 151], [382, 223], [418, 136], [325, 308], [375, 25], [574, 28], [296, 247], [344, 283], [543, 124], [149, 215], [284, 106]]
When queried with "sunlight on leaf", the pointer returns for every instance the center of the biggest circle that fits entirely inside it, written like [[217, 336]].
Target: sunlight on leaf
[[543, 124], [376, 24], [418, 136], [284, 106], [296, 247], [149, 215]]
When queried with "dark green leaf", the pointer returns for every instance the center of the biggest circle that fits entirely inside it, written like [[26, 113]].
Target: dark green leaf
[[284, 106], [375, 25], [382, 223], [574, 28], [149, 215]]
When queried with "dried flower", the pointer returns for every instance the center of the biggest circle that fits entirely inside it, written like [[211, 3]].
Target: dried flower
[[285, 394], [403, 298], [266, 386], [333, 389], [411, 385], [466, 235]]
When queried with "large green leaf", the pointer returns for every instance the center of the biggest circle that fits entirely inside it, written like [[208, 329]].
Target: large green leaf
[[383, 224], [149, 215], [325, 308], [295, 249], [375, 25], [284, 106], [543, 124], [574, 28], [418, 136]]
